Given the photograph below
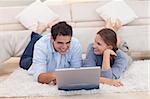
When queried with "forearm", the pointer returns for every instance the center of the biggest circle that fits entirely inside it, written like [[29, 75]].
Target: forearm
[[106, 62], [46, 77], [104, 80]]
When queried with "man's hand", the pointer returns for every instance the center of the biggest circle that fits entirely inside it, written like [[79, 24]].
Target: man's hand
[[53, 82], [47, 78]]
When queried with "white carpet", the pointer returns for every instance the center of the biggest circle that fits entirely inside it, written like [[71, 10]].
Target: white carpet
[[19, 83]]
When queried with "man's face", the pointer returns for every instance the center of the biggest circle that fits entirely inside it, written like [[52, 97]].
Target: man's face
[[62, 43]]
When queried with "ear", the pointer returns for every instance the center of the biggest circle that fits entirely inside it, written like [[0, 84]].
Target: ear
[[110, 47], [51, 38]]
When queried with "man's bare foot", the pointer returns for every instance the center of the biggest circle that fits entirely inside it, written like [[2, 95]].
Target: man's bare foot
[[41, 27], [50, 24]]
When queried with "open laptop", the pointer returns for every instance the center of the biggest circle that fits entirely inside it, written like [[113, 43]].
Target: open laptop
[[78, 78]]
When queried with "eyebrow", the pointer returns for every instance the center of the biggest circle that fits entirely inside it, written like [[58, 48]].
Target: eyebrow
[[66, 42]]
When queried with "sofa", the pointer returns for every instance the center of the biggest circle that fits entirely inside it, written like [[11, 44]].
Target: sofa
[[82, 16]]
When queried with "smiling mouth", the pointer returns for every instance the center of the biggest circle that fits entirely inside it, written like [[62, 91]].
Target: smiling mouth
[[63, 52], [95, 50]]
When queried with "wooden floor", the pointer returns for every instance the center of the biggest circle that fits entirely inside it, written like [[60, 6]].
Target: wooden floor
[[9, 66]]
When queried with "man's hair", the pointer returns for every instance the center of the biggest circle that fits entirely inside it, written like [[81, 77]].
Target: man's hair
[[61, 28], [109, 37]]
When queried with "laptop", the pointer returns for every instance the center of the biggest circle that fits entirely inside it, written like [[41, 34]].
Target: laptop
[[69, 79]]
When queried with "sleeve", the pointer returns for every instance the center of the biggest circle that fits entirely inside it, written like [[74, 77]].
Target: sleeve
[[119, 66], [76, 60], [39, 60], [124, 46], [90, 59]]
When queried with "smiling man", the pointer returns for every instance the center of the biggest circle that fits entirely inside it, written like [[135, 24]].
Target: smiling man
[[56, 50]]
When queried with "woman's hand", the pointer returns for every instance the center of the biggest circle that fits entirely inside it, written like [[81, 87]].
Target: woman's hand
[[116, 83], [109, 52], [111, 82]]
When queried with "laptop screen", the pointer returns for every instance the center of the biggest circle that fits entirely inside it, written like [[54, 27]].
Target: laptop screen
[[78, 78]]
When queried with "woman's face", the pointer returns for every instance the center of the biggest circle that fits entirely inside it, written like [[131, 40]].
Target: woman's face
[[99, 45]]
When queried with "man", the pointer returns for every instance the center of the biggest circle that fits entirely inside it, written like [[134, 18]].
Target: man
[[56, 50]]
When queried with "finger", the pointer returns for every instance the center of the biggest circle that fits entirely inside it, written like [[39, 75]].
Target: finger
[[117, 85], [121, 84], [54, 82], [113, 53]]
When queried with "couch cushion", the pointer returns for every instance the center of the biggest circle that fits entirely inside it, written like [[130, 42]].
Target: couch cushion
[[82, 12], [13, 43], [100, 23], [136, 37], [34, 13], [85, 36], [117, 10], [8, 19], [62, 9], [85, 11], [12, 27]]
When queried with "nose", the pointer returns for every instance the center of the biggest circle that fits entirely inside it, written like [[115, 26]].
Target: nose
[[94, 45], [64, 47]]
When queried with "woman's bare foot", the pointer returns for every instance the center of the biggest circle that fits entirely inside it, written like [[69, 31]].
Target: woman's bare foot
[[117, 25], [50, 24], [41, 27], [114, 26], [109, 24]]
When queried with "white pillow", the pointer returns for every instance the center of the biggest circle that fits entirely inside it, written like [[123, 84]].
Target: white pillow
[[35, 12], [117, 9]]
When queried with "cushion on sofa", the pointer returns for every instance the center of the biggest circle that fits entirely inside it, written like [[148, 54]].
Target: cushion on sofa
[[26, 58], [35, 12], [117, 9]]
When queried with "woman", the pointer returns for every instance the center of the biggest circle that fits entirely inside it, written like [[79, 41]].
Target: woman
[[104, 52]]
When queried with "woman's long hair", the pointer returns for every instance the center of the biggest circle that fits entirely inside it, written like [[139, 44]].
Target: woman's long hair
[[109, 37]]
